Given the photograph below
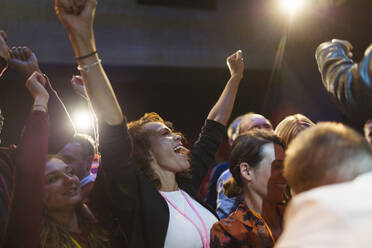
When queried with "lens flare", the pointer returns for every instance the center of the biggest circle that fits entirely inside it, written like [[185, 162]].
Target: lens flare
[[83, 120], [292, 6]]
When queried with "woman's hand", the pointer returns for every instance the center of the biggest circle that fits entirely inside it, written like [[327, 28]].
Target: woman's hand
[[36, 85], [235, 63], [77, 16], [23, 60], [78, 85]]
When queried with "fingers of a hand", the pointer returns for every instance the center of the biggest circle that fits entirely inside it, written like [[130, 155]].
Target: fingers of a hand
[[3, 35], [14, 52], [64, 6], [77, 80], [239, 55], [23, 53], [40, 78], [27, 52], [345, 43]]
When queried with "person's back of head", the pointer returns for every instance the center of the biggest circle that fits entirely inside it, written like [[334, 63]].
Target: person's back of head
[[325, 154], [291, 126]]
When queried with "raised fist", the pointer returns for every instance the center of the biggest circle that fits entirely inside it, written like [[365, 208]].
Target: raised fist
[[36, 85], [236, 64], [23, 60], [78, 85]]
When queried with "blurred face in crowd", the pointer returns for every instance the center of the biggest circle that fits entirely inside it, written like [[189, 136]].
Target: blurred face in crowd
[[166, 149], [62, 186], [368, 133], [72, 155], [267, 179], [255, 121]]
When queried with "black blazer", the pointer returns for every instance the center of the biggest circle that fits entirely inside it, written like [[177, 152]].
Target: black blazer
[[126, 201]]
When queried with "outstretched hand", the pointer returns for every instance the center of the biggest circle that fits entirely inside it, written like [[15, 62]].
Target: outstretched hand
[[23, 60], [78, 85], [36, 85], [77, 16], [4, 50], [235, 63], [348, 46]]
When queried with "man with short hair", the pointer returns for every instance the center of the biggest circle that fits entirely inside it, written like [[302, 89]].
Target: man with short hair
[[248, 121], [79, 154], [329, 168]]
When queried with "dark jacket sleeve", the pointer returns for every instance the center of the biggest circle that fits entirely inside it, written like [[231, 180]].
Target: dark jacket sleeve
[[115, 192], [348, 83], [204, 150], [26, 207]]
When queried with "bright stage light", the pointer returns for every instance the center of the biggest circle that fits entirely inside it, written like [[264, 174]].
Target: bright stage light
[[291, 6], [83, 120]]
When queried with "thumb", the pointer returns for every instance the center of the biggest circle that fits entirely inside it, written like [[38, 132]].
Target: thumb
[[90, 5], [40, 78], [239, 54]]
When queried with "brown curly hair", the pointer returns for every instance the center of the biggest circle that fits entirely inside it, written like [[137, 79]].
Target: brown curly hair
[[141, 147]]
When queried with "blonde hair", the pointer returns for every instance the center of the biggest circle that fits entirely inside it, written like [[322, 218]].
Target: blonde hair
[[291, 126]]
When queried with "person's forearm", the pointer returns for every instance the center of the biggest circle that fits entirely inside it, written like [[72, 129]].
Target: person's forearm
[[347, 82], [98, 86], [221, 111], [28, 192]]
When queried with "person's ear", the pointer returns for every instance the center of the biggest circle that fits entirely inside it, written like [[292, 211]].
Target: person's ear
[[246, 171]]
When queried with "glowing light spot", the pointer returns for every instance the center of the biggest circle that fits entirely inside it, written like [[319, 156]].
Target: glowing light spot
[[292, 6], [83, 120]]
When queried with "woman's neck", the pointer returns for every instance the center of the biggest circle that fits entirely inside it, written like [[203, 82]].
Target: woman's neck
[[68, 219], [253, 201], [168, 182], [266, 210], [167, 178]]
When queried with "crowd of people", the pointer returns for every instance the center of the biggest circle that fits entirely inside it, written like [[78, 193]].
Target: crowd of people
[[302, 184]]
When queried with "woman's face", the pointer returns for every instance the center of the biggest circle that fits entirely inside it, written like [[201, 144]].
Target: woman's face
[[267, 178], [167, 150], [62, 187]]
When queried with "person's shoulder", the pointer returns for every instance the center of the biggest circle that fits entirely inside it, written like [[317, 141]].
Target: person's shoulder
[[225, 175]]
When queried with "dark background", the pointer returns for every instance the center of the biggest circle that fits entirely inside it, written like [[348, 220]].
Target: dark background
[[184, 94]]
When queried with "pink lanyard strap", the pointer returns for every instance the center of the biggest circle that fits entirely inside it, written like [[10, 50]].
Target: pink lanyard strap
[[205, 242]]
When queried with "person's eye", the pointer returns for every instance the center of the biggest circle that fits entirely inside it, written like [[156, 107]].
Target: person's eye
[[166, 132], [70, 172], [52, 179]]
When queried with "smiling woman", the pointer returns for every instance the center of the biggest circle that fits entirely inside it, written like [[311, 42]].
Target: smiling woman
[[66, 221], [256, 165]]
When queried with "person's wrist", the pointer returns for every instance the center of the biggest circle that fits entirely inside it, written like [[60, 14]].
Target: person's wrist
[[41, 100], [83, 45], [237, 76]]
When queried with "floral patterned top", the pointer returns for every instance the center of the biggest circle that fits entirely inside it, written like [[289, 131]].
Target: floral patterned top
[[243, 228]]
